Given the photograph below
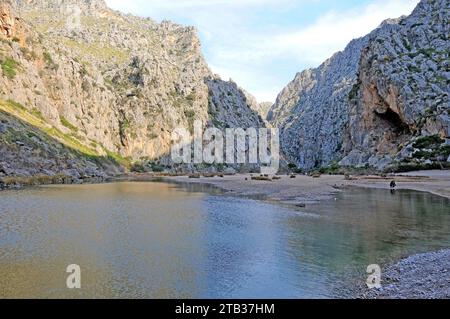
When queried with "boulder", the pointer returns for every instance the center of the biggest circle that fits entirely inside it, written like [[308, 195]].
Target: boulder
[[230, 171]]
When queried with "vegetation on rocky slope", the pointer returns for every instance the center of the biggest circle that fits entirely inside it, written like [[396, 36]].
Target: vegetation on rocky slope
[[34, 153], [116, 86]]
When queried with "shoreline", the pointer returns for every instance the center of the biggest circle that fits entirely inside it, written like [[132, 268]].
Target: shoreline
[[285, 190], [303, 190]]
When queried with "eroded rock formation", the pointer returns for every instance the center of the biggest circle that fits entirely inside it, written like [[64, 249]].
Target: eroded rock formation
[[368, 105], [114, 84]]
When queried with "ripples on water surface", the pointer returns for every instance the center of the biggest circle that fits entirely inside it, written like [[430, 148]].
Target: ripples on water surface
[[157, 240]]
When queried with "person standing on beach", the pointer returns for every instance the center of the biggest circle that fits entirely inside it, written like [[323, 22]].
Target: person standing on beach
[[393, 185]]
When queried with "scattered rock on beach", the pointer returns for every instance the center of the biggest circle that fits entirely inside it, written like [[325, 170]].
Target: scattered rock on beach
[[423, 276]]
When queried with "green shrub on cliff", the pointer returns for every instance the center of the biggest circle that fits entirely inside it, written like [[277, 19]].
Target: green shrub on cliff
[[67, 124], [48, 58], [16, 105], [428, 141], [9, 67]]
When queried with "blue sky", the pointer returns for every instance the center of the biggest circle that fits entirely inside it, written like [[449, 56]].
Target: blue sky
[[262, 44]]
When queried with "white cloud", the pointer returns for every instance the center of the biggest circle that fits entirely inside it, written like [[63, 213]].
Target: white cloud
[[334, 30], [306, 47], [263, 57]]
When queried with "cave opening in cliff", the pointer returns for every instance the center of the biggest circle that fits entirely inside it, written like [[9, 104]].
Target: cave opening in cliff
[[395, 121]]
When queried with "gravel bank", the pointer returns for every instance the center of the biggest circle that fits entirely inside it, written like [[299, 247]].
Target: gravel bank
[[423, 276]]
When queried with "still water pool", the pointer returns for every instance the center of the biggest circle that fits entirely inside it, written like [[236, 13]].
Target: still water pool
[[158, 240]]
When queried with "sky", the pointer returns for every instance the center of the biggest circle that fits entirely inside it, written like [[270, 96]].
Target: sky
[[262, 44]]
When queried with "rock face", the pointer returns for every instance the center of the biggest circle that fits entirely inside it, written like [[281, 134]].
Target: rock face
[[371, 103], [28, 151], [114, 83], [226, 99], [7, 20], [403, 85], [263, 109], [312, 111], [11, 26]]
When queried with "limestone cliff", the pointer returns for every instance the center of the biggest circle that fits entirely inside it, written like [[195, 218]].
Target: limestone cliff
[[11, 26], [375, 102], [312, 111], [115, 84], [402, 90]]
